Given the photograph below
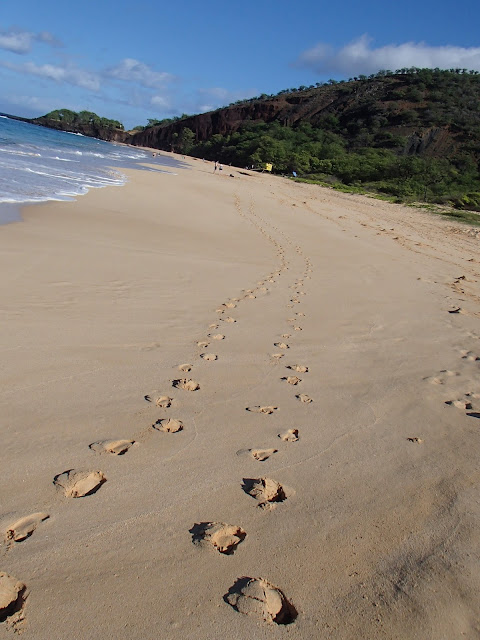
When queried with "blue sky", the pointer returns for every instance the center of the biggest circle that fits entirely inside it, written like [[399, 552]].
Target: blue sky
[[133, 61]]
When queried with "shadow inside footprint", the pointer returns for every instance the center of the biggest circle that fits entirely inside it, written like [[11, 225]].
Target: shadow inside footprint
[[289, 436], [186, 384], [168, 425], [13, 594], [262, 454], [78, 483], [115, 447], [223, 537], [258, 598], [474, 414], [257, 409], [23, 528], [265, 490]]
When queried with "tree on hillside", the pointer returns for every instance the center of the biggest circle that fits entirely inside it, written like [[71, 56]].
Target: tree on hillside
[[186, 140]]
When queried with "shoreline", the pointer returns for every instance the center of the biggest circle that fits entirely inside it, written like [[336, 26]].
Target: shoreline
[[12, 211], [106, 300]]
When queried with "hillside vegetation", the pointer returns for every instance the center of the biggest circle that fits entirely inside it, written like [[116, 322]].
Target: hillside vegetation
[[74, 118], [408, 135], [413, 134]]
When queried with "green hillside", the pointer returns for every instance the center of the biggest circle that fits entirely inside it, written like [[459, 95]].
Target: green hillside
[[412, 135]]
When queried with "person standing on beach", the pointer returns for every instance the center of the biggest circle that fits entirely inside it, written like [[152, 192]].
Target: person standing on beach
[[216, 165]]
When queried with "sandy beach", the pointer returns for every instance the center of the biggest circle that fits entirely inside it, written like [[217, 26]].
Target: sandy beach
[[238, 408]]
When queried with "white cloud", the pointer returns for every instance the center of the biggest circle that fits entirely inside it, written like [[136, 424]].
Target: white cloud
[[40, 105], [132, 70], [160, 101], [68, 74], [21, 42], [359, 57]]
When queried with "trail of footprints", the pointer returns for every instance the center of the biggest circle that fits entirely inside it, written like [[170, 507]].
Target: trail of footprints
[[452, 384], [253, 596]]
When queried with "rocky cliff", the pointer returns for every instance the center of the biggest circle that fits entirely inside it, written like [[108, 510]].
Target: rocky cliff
[[427, 112], [90, 130], [397, 105]]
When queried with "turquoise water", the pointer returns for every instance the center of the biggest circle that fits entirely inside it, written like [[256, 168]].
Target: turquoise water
[[39, 164]]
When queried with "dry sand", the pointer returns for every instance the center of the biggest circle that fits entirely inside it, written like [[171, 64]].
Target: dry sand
[[343, 504]]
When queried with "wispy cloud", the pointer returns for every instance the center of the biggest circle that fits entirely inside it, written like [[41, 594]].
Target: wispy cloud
[[21, 42], [33, 106], [61, 74], [359, 56], [131, 70], [160, 101], [214, 97]]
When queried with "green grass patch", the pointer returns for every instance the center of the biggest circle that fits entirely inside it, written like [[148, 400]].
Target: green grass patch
[[466, 217]]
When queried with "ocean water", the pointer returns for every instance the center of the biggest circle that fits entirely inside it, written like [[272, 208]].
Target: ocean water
[[39, 164]]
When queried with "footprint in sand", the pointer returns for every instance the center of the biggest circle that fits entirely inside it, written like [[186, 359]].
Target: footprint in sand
[[289, 436], [442, 377], [250, 296], [460, 404], [469, 355], [258, 598], [262, 454], [78, 484], [203, 344], [230, 305], [116, 447], [209, 356], [286, 335], [281, 345], [257, 454], [186, 366], [299, 368], [13, 594], [186, 384], [163, 402], [266, 491], [297, 329], [214, 325], [277, 356], [268, 410], [292, 379], [168, 425], [220, 310], [229, 319], [304, 398], [225, 538], [300, 314], [415, 440], [217, 336], [23, 528]]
